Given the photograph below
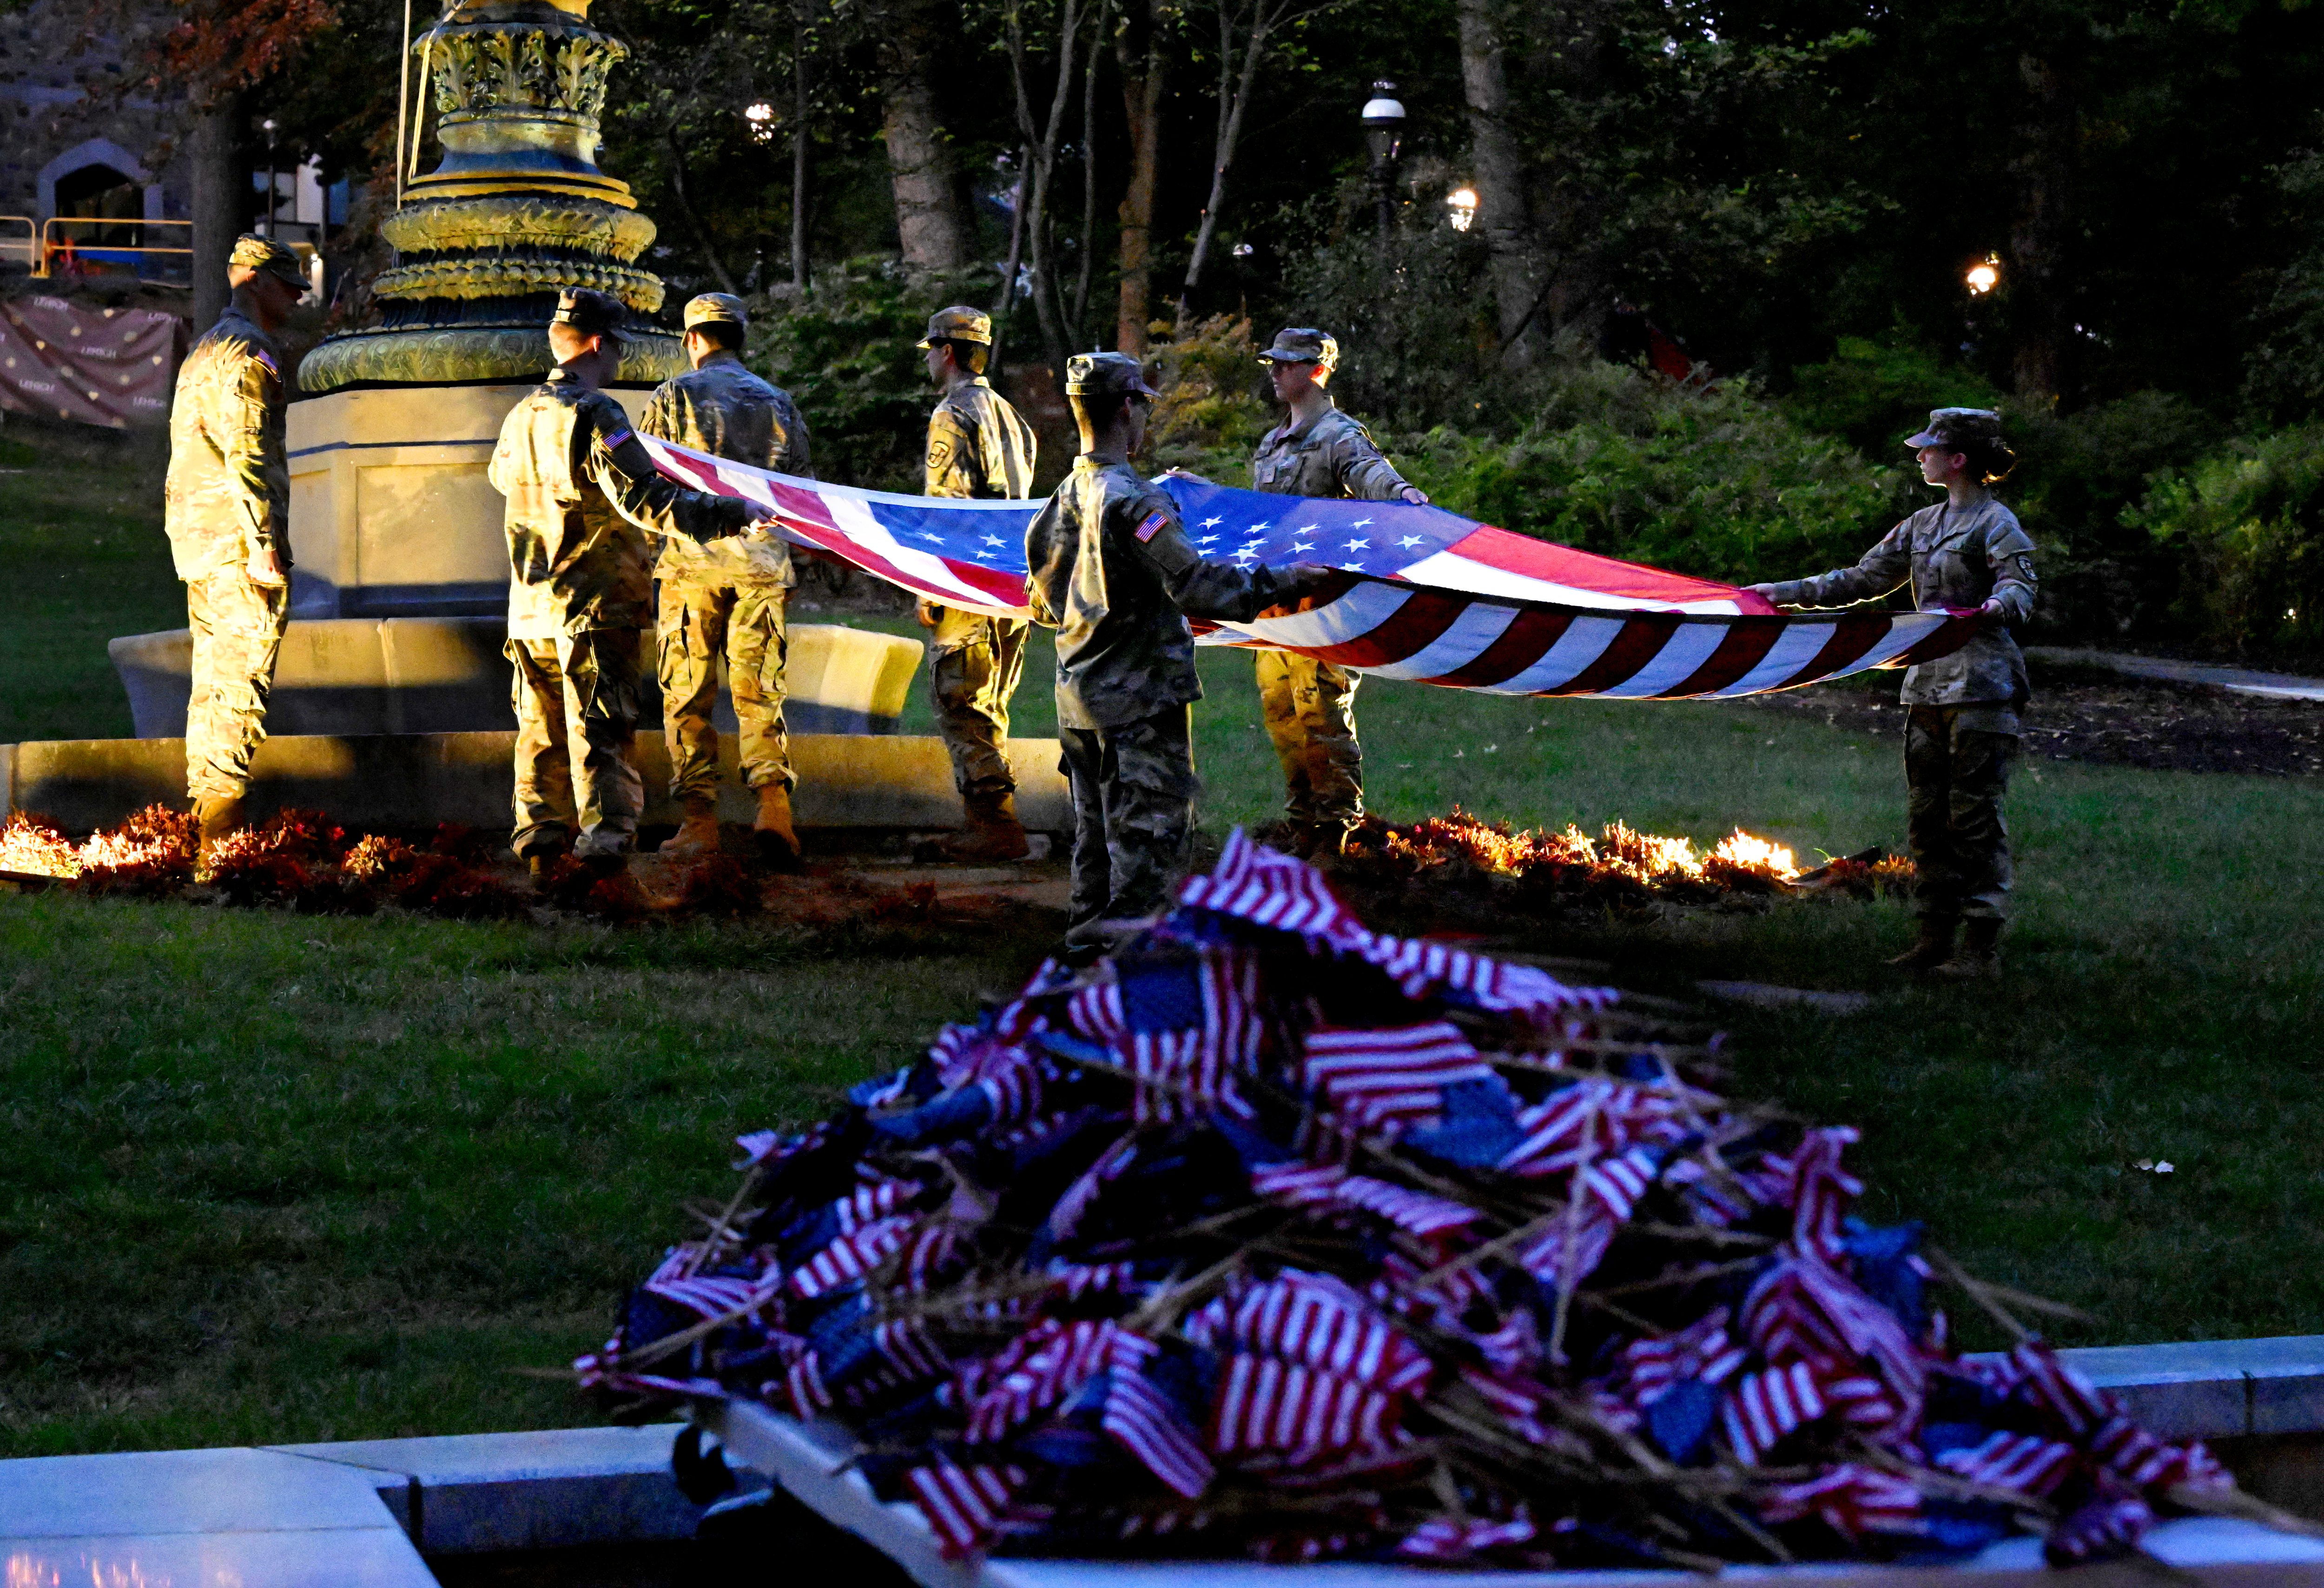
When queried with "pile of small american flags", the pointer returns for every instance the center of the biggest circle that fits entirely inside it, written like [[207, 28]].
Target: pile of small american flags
[[1269, 1235]]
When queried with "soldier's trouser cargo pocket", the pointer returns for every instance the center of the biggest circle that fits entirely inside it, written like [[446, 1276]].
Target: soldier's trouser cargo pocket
[[973, 678], [701, 622], [237, 630], [576, 712], [1133, 788], [1310, 708], [1955, 778]]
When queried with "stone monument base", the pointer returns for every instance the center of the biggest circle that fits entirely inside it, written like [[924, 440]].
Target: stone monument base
[[421, 675], [391, 511], [411, 781]]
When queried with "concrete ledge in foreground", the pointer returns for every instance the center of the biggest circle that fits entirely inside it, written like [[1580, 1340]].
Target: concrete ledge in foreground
[[419, 780]]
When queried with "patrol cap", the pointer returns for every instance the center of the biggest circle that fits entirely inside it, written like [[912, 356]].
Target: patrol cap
[[1958, 427], [714, 309], [264, 254], [1303, 345], [588, 312], [960, 323], [1106, 374]]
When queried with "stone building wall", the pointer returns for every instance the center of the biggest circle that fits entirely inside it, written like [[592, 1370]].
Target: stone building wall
[[64, 110]]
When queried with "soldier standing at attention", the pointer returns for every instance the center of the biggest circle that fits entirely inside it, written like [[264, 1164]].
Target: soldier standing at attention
[[726, 598], [582, 494], [1311, 705], [1111, 570], [227, 510], [1960, 731], [978, 447]]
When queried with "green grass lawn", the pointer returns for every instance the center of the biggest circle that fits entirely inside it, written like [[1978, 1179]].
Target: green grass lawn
[[276, 1177]]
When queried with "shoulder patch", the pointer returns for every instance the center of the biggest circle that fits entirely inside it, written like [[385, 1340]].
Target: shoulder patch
[[266, 358], [616, 438], [1151, 524]]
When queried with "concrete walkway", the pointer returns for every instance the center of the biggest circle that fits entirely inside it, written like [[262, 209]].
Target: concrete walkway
[[2241, 680]]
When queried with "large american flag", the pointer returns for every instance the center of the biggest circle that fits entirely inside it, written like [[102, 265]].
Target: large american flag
[[1423, 594]]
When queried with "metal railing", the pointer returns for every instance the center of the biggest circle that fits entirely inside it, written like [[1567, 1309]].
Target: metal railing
[[90, 244]]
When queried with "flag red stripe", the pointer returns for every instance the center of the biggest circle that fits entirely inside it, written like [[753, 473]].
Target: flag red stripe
[[1641, 639], [1942, 641], [1745, 647], [1420, 622], [1525, 641]]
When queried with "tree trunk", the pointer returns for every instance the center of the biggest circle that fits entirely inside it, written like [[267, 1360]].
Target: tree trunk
[[930, 218], [219, 185], [1089, 172], [1500, 165], [2038, 241], [1566, 54], [1235, 88], [1042, 139], [798, 150], [1007, 300], [682, 189], [1143, 68]]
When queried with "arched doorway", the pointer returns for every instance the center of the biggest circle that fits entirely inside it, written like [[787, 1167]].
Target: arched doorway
[[98, 192]]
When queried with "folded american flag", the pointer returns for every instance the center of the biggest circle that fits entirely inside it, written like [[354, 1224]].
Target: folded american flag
[[1425, 595]]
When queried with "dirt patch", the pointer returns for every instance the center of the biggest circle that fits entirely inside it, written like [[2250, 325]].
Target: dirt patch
[[2081, 714]]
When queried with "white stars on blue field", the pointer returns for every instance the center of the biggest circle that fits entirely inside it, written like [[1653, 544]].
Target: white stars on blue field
[[1248, 528]]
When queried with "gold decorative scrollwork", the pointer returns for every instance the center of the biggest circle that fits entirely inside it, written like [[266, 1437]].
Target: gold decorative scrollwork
[[516, 277], [518, 220]]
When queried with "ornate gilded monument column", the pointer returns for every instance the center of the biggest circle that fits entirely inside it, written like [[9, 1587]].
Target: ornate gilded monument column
[[391, 514], [516, 211]]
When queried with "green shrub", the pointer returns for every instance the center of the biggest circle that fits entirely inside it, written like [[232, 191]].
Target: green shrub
[[2245, 528], [1873, 394], [1214, 406], [846, 354], [1716, 483]]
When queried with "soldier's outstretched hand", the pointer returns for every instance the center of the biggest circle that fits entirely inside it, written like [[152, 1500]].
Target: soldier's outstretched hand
[[1415, 495]]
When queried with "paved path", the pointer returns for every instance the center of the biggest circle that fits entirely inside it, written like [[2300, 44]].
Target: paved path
[[2242, 680]]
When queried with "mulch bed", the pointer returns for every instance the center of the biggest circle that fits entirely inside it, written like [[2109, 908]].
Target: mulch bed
[[2078, 715]]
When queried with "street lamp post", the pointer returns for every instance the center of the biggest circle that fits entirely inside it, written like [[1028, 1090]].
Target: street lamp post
[[1383, 119], [272, 198]]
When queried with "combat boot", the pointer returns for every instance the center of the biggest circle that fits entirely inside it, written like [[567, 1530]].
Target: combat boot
[[777, 839], [1934, 948], [216, 815], [993, 833], [698, 835], [1979, 959]]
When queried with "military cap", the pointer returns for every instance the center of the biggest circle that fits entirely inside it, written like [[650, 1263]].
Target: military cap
[[1958, 428], [1106, 374], [960, 323], [264, 254], [714, 309], [590, 312], [1303, 345]]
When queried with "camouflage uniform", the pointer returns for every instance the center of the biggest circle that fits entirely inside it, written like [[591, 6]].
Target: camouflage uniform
[[1113, 572], [227, 499], [1960, 733], [582, 493], [725, 598], [978, 447], [1310, 706]]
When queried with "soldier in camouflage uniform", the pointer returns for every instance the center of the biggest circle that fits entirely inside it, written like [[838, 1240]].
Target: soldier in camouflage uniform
[[978, 447], [1113, 572], [227, 510], [582, 494], [1960, 733], [726, 598], [1310, 705]]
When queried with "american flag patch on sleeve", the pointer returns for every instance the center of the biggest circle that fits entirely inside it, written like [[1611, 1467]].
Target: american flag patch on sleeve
[[266, 358], [617, 438], [1152, 522]]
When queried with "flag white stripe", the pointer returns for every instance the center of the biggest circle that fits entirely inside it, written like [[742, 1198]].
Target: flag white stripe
[[1686, 650], [1584, 640], [1799, 644], [856, 522], [1350, 617], [1471, 635], [1448, 570]]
